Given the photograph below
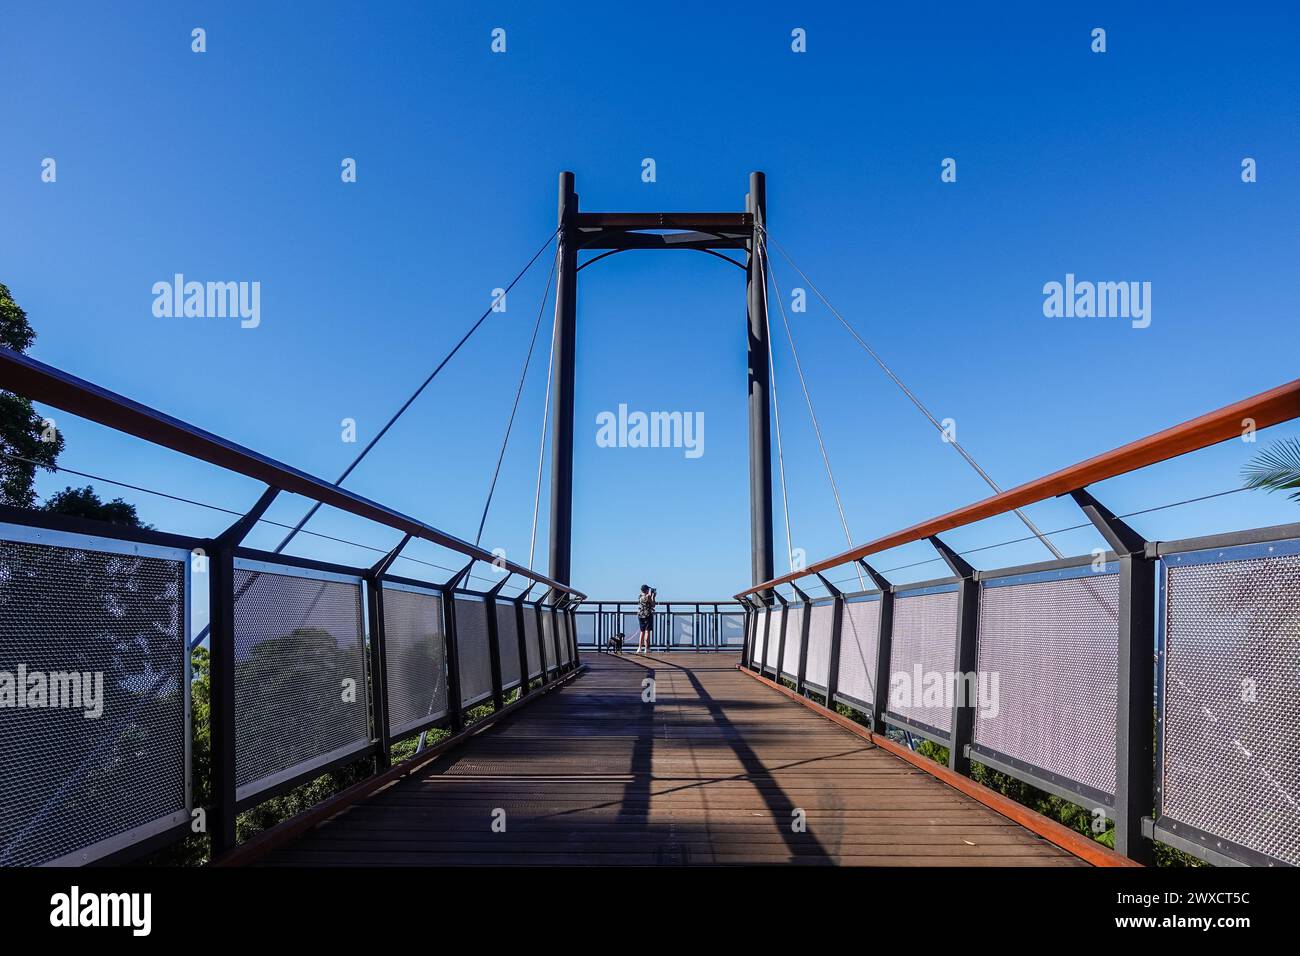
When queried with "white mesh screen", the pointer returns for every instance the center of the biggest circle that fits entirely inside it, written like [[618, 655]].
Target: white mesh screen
[[1231, 729], [859, 644], [1031, 635], [923, 650], [817, 666], [773, 636], [793, 640]]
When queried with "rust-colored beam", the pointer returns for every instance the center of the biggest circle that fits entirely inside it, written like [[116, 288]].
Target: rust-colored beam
[[1071, 841], [51, 386], [1267, 408]]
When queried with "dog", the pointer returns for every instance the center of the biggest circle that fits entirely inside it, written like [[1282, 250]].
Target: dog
[[616, 643]]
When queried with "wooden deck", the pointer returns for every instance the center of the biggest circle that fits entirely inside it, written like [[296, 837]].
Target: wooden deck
[[710, 773]]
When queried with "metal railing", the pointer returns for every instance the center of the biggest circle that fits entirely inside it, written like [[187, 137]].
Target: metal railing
[[678, 625], [1046, 672], [314, 665]]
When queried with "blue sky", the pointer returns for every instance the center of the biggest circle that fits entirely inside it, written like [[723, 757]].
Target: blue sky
[[1122, 166]]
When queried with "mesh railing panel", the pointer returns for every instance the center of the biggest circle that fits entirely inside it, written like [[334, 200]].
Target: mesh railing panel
[[793, 641], [473, 651], [562, 622], [548, 638], [415, 651], [300, 674], [530, 642], [818, 665], [1231, 726], [73, 787], [508, 643], [1031, 636], [859, 644], [760, 635], [773, 636], [923, 644]]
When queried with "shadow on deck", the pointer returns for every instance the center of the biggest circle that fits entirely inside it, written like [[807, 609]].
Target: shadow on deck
[[711, 772]]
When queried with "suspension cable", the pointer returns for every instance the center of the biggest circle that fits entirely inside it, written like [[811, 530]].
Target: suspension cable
[[776, 412], [541, 448], [232, 511], [970, 460], [803, 384], [416, 394], [528, 361]]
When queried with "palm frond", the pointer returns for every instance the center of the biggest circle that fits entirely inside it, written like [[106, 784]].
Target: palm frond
[[1276, 468]]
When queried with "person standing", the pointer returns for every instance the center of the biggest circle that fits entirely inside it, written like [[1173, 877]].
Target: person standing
[[645, 613]]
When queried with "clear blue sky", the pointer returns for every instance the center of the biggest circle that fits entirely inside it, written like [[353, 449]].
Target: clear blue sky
[[225, 166]]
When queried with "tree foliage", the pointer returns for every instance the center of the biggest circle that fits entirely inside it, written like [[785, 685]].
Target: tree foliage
[[1276, 468], [26, 443], [84, 503]]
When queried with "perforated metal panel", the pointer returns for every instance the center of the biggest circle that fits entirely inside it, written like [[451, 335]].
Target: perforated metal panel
[[415, 658], [562, 623], [818, 665], [530, 642], [793, 640], [508, 643], [1230, 729], [859, 644], [923, 653], [472, 648], [300, 672], [775, 616], [90, 626], [1033, 630], [548, 638], [759, 636]]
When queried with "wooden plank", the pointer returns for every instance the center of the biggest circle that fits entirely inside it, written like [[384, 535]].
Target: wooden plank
[[709, 773]]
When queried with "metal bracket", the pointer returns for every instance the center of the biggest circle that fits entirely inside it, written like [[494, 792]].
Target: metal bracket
[[830, 588], [959, 565], [878, 579], [1121, 538], [236, 533], [462, 575], [380, 567]]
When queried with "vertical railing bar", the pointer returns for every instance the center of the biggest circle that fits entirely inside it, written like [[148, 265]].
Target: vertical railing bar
[[221, 714], [1135, 678], [962, 717], [884, 648]]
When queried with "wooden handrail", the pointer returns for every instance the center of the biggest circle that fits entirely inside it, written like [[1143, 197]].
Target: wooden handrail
[[1267, 408]]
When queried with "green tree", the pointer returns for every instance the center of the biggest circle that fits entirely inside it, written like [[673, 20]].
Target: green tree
[[25, 442], [1276, 468], [84, 503]]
